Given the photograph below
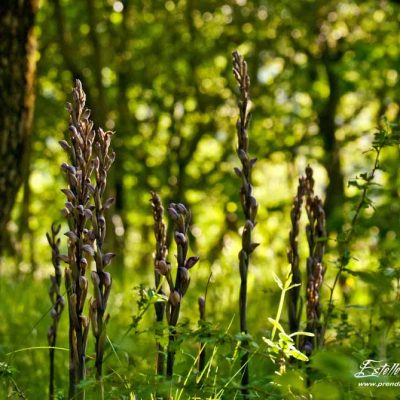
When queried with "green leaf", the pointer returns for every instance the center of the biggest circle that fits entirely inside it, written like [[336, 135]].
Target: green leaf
[[277, 280], [288, 281], [302, 333], [297, 354], [272, 346], [285, 338], [276, 324], [335, 365], [292, 286]]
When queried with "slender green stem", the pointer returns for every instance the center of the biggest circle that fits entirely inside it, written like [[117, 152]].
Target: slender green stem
[[279, 312]]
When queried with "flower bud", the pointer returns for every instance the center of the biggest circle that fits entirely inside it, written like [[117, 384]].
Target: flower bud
[[180, 238], [69, 193], [95, 278], [83, 282], [162, 267], [83, 263], [242, 155], [184, 275], [71, 236], [202, 307], [107, 279], [191, 262], [181, 208], [80, 209], [102, 221], [173, 213], [202, 301], [175, 298]]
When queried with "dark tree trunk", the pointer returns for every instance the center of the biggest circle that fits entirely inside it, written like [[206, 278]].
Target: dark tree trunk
[[335, 189], [17, 72]]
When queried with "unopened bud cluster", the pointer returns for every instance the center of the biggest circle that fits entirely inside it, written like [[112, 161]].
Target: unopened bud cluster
[[177, 289], [90, 159], [316, 238]]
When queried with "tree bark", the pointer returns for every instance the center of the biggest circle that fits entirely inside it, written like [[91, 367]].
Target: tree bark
[[327, 127], [17, 76]]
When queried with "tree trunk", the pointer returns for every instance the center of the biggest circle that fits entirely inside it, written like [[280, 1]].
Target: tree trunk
[[17, 73], [335, 189]]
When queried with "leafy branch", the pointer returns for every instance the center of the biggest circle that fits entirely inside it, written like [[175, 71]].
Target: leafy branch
[[385, 136]]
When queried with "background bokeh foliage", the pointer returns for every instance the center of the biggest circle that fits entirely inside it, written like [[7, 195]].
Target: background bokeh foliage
[[158, 73]]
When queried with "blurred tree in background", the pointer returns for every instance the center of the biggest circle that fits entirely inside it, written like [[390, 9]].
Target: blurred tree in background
[[17, 74], [158, 73]]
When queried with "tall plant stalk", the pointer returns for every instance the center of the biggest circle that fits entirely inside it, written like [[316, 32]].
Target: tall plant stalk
[[57, 300], [160, 264], [202, 313], [181, 217], [249, 203], [78, 213], [294, 304], [89, 154], [101, 279], [316, 238]]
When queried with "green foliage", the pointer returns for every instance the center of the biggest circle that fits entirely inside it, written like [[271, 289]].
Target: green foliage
[[159, 74], [283, 349]]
